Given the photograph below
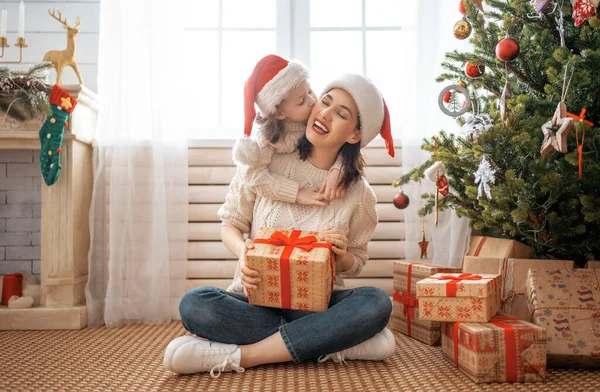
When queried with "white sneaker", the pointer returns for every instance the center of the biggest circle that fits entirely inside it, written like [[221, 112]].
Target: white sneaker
[[378, 348], [190, 354]]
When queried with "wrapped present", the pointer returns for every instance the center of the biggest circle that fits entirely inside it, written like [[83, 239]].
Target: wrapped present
[[506, 349], [567, 304], [459, 297], [513, 291], [405, 316], [498, 247], [297, 271], [593, 264]]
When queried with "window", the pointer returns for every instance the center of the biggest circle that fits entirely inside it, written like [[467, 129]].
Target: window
[[225, 39]]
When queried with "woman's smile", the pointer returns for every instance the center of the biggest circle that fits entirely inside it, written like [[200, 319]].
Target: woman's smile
[[319, 127]]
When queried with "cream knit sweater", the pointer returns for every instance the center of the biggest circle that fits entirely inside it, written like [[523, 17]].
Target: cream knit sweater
[[253, 156], [356, 214]]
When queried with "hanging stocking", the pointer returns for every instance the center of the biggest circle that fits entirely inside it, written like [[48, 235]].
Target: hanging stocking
[[51, 134]]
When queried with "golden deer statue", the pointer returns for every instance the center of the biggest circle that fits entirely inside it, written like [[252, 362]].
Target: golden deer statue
[[63, 58]]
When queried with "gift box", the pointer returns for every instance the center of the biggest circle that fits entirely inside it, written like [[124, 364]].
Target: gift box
[[513, 290], [405, 316], [506, 349], [297, 271], [567, 304], [593, 264], [459, 297], [499, 247]]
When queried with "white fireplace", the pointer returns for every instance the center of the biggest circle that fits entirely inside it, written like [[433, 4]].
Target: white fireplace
[[64, 222]]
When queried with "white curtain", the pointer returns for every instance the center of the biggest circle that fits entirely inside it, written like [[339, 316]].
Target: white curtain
[[139, 211], [449, 240]]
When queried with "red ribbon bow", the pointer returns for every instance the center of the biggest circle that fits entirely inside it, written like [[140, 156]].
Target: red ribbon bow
[[307, 244], [451, 286]]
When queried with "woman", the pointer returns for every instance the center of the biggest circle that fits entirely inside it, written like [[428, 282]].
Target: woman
[[347, 118]]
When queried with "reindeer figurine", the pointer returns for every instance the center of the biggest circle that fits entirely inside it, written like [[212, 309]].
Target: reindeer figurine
[[63, 58]]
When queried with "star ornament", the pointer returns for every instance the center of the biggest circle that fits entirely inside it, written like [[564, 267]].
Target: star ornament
[[423, 245], [556, 132], [66, 103]]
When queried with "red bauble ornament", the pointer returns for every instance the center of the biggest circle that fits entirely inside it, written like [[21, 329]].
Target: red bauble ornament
[[59, 149], [474, 71], [401, 201], [447, 97], [507, 49], [461, 7]]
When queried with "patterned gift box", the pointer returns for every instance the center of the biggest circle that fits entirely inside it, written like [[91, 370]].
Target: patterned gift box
[[459, 297], [567, 304], [506, 349], [405, 317], [498, 247], [297, 271], [513, 291]]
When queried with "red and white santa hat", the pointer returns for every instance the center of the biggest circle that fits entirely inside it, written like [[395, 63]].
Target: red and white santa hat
[[372, 110], [271, 81]]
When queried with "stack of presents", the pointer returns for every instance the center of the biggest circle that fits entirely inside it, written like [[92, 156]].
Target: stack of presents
[[503, 316]]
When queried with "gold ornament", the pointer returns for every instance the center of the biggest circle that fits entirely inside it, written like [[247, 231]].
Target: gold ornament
[[462, 29], [64, 58]]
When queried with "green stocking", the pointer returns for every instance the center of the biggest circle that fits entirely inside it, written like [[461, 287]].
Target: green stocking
[[51, 134]]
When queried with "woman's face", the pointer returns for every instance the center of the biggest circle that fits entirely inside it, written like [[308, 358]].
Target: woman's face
[[333, 120]]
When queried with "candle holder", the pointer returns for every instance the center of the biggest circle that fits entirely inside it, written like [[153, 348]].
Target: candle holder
[[20, 43]]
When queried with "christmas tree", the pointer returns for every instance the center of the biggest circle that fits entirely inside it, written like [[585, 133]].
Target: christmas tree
[[519, 172]]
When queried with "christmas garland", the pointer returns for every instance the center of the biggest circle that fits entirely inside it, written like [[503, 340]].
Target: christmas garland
[[24, 94]]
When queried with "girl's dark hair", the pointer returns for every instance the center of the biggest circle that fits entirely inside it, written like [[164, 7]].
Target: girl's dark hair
[[272, 127], [353, 162]]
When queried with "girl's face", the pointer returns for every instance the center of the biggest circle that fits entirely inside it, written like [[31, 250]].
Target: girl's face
[[333, 120], [297, 105]]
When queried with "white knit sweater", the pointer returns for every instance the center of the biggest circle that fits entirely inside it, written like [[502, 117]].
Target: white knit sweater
[[253, 156], [356, 214]]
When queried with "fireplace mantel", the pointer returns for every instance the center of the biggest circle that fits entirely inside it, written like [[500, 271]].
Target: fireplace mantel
[[65, 208]]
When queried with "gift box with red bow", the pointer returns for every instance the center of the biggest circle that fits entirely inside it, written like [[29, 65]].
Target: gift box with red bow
[[567, 303], [459, 297], [297, 271], [506, 349], [405, 316]]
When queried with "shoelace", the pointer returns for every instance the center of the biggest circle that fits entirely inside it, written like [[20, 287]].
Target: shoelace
[[222, 366], [336, 357]]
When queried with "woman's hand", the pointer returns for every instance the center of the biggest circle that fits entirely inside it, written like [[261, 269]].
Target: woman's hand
[[339, 244], [250, 277]]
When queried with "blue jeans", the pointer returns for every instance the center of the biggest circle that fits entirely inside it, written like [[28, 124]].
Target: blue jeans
[[353, 316]]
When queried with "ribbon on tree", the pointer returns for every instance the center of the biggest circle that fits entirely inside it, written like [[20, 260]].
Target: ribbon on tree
[[451, 286], [409, 302], [307, 244], [510, 345]]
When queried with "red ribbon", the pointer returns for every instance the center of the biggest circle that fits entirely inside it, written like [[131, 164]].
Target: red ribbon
[[510, 344], [451, 286], [409, 302], [307, 244], [479, 246], [581, 117]]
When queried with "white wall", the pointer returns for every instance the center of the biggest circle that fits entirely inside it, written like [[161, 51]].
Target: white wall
[[43, 33]]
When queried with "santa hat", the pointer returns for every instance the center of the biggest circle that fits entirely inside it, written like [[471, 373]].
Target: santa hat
[[372, 110], [271, 81]]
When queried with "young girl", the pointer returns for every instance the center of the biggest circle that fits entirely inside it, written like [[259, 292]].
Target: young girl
[[281, 90]]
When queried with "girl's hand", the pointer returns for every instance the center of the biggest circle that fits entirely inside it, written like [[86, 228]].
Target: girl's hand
[[337, 239], [310, 197], [329, 187], [250, 277]]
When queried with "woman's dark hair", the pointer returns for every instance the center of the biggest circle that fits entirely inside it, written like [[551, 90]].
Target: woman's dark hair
[[272, 127], [353, 162]]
